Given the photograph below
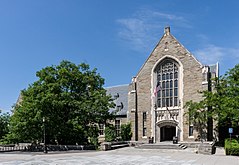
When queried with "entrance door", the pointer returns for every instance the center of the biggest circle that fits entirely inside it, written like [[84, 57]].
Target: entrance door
[[167, 133]]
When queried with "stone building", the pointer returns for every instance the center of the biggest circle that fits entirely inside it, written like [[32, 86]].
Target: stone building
[[120, 96], [169, 78]]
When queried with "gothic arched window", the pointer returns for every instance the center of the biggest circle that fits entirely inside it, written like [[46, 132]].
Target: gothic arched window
[[167, 84]]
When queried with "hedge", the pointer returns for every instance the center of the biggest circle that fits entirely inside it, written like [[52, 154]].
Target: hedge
[[232, 147]]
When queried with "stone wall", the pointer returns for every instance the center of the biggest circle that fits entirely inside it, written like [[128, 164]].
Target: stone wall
[[190, 83]]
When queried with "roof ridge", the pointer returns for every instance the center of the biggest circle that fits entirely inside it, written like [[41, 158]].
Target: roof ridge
[[117, 86]]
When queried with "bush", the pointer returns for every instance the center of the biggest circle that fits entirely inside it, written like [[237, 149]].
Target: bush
[[125, 132], [232, 147], [93, 136], [110, 133]]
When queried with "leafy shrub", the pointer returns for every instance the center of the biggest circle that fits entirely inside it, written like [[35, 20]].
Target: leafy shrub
[[110, 133], [232, 147], [125, 132], [93, 136]]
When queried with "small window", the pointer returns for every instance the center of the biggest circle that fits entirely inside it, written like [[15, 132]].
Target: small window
[[101, 129], [190, 124], [117, 127], [191, 130], [144, 124]]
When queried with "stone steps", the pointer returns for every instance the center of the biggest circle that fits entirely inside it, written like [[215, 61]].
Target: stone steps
[[162, 146]]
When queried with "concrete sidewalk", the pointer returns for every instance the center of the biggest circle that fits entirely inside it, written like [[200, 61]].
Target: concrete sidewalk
[[127, 156]]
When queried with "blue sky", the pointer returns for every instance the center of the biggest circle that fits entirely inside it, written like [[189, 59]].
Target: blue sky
[[116, 37]]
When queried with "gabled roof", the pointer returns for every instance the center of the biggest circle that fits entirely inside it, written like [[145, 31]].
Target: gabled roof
[[167, 34], [120, 96]]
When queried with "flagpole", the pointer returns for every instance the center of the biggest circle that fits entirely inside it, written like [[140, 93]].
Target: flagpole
[[173, 118], [155, 92], [170, 114]]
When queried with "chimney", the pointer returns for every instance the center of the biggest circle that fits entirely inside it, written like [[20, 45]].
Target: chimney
[[167, 30]]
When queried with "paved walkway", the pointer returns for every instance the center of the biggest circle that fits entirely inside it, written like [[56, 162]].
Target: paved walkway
[[124, 156]]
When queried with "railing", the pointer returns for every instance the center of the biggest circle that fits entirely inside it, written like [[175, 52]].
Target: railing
[[9, 148], [40, 148]]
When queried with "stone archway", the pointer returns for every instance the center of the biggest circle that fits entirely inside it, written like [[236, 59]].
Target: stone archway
[[166, 130], [167, 133]]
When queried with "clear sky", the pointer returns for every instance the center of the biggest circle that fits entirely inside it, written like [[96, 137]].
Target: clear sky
[[116, 37]]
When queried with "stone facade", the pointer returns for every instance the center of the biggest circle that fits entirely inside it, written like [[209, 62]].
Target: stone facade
[[142, 99], [156, 97], [120, 96]]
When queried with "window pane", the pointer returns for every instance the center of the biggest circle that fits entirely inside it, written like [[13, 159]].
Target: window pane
[[163, 102], [171, 92], [144, 131], [167, 102], [176, 75], [190, 130], [167, 84], [101, 129], [175, 91], [175, 83], [159, 77], [159, 102], [167, 76], [171, 75], [144, 116], [117, 127], [175, 101], [167, 93], [171, 84], [163, 84], [159, 93], [171, 101]]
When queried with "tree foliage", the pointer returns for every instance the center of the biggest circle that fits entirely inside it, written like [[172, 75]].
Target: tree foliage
[[110, 133], [70, 97], [4, 124], [223, 101], [125, 132]]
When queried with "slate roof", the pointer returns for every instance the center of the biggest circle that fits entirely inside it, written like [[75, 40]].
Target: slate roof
[[120, 96]]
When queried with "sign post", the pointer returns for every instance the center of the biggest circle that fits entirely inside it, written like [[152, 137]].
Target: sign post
[[230, 130]]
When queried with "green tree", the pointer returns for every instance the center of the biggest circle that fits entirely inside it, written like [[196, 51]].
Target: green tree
[[223, 101], [197, 115], [125, 132], [110, 133], [70, 97], [4, 124], [227, 96]]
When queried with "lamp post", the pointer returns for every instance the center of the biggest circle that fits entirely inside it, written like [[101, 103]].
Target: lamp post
[[44, 136]]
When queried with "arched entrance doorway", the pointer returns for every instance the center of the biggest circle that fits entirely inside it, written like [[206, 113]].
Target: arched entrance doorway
[[167, 133], [166, 130]]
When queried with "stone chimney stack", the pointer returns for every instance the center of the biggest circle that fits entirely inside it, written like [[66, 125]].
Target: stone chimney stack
[[167, 30]]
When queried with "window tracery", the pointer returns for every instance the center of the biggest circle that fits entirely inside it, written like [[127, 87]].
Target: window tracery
[[167, 84]]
